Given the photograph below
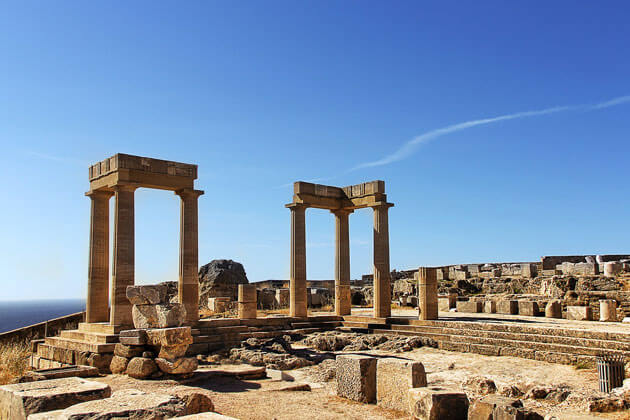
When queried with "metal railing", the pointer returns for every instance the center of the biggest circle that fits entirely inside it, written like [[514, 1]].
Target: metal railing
[[611, 371]]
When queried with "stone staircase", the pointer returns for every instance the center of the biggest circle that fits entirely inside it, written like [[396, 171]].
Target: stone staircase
[[556, 345]]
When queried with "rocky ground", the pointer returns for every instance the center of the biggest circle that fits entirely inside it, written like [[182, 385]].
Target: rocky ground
[[302, 383]]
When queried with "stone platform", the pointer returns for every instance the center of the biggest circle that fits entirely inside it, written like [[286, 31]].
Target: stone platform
[[92, 344], [545, 339]]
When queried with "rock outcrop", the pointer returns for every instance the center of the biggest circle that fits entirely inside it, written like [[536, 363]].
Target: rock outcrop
[[220, 278]]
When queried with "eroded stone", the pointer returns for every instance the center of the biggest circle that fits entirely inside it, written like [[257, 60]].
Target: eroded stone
[[394, 377], [141, 368], [146, 295], [178, 366], [356, 377]]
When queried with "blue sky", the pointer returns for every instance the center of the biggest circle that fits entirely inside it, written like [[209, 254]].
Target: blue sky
[[260, 94]]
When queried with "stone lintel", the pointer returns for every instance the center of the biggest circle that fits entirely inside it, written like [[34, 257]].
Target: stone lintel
[[331, 198]]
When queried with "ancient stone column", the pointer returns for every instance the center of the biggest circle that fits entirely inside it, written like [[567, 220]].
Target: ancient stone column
[[342, 262], [607, 310], [97, 303], [427, 293], [382, 280], [123, 269], [188, 287], [247, 301], [297, 280]]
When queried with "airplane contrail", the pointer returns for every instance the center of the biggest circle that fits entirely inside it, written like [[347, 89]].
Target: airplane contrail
[[409, 147]]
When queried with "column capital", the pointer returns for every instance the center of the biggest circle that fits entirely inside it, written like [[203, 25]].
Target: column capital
[[99, 194], [125, 187], [189, 192], [341, 212], [296, 206], [381, 204]]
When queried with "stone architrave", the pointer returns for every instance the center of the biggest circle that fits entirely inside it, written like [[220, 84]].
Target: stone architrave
[[120, 175], [427, 293], [342, 262]]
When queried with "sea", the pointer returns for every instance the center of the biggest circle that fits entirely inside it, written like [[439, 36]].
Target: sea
[[17, 314]]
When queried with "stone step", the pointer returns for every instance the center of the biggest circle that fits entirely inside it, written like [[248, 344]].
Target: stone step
[[218, 322], [89, 337], [358, 318], [100, 327], [529, 337], [223, 330], [314, 324], [517, 344], [70, 344]]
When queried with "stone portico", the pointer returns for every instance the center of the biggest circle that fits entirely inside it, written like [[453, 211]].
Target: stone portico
[[341, 202], [119, 176]]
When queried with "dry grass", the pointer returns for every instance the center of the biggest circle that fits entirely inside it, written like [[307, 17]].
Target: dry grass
[[13, 360]]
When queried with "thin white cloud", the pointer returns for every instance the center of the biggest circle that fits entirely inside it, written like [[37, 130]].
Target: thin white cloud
[[408, 148], [62, 159]]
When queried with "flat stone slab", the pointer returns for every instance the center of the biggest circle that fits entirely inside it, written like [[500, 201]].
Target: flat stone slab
[[127, 403], [206, 416], [18, 401], [57, 373], [356, 377]]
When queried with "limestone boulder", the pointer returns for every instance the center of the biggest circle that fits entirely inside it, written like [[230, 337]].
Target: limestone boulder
[[169, 336], [141, 368], [118, 364], [173, 352], [220, 278], [163, 315], [196, 402], [18, 401], [433, 403], [123, 404], [146, 295], [179, 366]]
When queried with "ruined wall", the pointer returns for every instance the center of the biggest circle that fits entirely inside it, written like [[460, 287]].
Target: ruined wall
[[48, 328]]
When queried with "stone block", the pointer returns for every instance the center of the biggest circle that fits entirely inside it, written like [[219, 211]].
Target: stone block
[[469, 306], [124, 350], [118, 364], [18, 401], [579, 313], [553, 309], [509, 307], [219, 304], [490, 307], [607, 310], [147, 295], [444, 304], [356, 377], [99, 361], [169, 336], [163, 315], [283, 297], [527, 308], [123, 404], [394, 377], [433, 403], [247, 293], [529, 270], [141, 367], [178, 366], [133, 337], [495, 407], [461, 275], [247, 310], [173, 352]]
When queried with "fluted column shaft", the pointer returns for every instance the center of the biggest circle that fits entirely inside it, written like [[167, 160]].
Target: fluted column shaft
[[97, 302], [297, 279], [342, 262], [188, 290], [382, 280], [124, 255]]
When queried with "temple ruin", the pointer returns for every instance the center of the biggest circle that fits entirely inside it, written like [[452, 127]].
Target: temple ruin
[[341, 202], [119, 176]]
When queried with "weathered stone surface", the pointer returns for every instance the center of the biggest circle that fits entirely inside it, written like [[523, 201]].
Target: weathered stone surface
[[133, 337], [527, 308], [99, 361], [207, 416], [607, 310], [196, 402], [509, 307], [159, 316], [124, 404], [124, 350], [118, 364], [394, 377], [169, 336], [220, 278], [356, 377], [141, 368], [18, 401], [579, 313], [553, 309], [173, 352], [67, 372], [178, 366], [480, 385], [146, 295], [219, 304], [490, 306], [433, 403], [469, 306], [492, 407]]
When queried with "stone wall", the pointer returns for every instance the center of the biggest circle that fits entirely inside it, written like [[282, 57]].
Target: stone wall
[[48, 328]]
